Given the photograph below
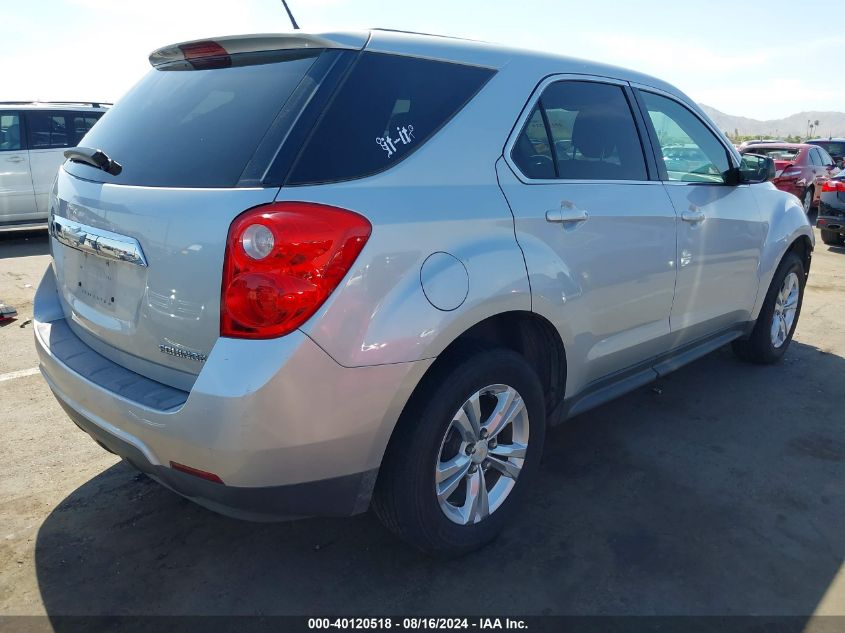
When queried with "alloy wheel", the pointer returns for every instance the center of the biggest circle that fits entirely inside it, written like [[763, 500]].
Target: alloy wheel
[[786, 306], [482, 454]]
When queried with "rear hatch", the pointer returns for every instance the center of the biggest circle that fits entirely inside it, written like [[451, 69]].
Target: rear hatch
[[138, 255]]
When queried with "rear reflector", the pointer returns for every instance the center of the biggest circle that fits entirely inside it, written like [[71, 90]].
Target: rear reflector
[[196, 472]]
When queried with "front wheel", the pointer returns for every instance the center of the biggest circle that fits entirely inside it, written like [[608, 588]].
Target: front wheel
[[464, 452], [778, 317]]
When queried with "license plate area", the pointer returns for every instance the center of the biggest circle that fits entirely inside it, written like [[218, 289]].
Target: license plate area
[[95, 282]]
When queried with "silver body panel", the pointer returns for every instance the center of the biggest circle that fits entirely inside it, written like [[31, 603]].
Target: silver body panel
[[630, 283]]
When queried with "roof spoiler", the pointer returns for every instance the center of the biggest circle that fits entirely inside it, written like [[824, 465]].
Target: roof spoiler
[[235, 44]]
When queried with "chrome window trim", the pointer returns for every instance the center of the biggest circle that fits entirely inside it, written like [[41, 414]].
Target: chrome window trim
[[529, 108], [99, 242]]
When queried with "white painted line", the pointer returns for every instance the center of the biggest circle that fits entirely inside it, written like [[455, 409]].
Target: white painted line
[[19, 374]]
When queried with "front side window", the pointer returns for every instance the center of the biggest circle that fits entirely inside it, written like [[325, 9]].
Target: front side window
[[690, 151], [591, 133], [47, 130], [10, 132], [387, 107]]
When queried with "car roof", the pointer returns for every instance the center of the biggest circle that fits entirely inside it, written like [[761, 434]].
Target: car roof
[[96, 106], [826, 140], [427, 45]]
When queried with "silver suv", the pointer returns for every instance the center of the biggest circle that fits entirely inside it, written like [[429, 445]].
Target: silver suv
[[306, 274]]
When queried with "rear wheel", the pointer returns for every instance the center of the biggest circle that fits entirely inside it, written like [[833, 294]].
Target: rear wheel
[[463, 454], [832, 238], [778, 317], [807, 199]]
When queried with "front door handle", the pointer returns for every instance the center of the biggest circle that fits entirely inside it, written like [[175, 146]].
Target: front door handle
[[566, 214], [692, 216]]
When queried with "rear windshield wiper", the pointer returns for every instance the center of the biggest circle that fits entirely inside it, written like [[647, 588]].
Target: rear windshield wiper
[[94, 157]]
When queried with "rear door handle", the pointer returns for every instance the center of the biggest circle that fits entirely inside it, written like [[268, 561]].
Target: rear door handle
[[566, 215], [692, 216], [14, 159]]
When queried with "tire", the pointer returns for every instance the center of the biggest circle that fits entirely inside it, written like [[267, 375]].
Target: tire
[[406, 499], [807, 199], [761, 347], [832, 238]]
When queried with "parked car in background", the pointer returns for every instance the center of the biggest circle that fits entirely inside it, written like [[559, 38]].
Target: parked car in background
[[831, 220], [295, 273], [800, 169], [761, 141], [833, 146], [33, 138]]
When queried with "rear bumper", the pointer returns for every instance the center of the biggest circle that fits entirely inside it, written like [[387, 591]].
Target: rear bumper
[[288, 430], [831, 213], [338, 496]]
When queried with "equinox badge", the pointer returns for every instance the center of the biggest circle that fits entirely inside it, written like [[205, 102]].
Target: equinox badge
[[178, 352]]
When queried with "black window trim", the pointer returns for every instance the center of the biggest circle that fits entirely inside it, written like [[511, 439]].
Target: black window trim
[[336, 90], [533, 101], [24, 136], [730, 151]]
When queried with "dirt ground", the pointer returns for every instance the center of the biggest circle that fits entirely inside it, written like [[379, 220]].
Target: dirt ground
[[718, 490]]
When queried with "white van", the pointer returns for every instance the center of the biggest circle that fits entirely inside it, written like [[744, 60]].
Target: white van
[[33, 138]]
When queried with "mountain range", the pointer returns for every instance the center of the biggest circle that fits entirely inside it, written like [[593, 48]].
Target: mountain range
[[830, 124]]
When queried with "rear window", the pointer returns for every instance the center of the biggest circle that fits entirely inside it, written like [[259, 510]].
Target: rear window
[[775, 153], [388, 106], [193, 128]]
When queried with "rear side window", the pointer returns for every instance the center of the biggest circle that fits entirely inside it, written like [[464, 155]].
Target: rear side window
[[826, 158], [834, 148], [387, 107], [48, 130], [533, 152], [10, 131], [81, 123], [194, 128], [591, 133]]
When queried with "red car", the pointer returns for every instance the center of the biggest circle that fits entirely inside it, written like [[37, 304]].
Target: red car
[[800, 169]]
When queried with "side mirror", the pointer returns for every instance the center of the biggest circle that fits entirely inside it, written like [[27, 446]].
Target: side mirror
[[756, 168]]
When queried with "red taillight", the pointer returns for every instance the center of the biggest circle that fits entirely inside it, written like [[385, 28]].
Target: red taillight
[[791, 172], [283, 260], [834, 185], [196, 472], [204, 55]]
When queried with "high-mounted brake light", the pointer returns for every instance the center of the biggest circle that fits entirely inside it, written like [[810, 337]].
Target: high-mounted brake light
[[282, 262], [206, 54], [834, 185]]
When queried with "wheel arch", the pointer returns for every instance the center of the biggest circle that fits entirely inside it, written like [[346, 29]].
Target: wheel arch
[[527, 333]]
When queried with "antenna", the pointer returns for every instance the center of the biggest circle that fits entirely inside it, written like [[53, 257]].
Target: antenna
[[290, 15]]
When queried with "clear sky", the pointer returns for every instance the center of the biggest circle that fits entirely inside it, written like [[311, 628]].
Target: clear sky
[[751, 58]]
